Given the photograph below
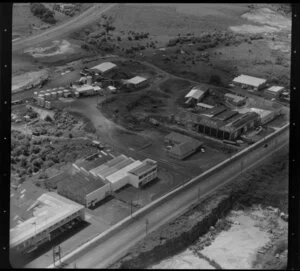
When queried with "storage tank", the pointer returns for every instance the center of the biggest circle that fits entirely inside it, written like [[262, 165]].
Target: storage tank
[[66, 93], [47, 96], [54, 94], [42, 102], [48, 105], [89, 79]]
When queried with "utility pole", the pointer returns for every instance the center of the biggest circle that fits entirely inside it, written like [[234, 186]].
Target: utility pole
[[147, 223], [198, 192], [131, 208]]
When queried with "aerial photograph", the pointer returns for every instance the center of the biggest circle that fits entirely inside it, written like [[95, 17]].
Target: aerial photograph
[[150, 136]]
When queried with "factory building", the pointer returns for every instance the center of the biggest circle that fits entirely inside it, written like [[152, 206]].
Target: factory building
[[143, 173], [226, 125], [136, 82], [83, 188], [50, 215], [180, 146], [104, 68], [275, 91], [195, 95], [265, 116], [235, 99], [96, 177], [214, 111], [249, 82]]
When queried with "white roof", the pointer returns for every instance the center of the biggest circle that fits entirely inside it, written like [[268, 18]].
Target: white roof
[[120, 174], [97, 88], [111, 88], [275, 89], [195, 93], [53, 209], [249, 80], [261, 112], [105, 66], [84, 88], [136, 80], [205, 105], [235, 97]]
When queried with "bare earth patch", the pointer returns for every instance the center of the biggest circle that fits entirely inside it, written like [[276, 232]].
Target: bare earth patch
[[30, 78], [271, 21], [57, 48], [185, 260]]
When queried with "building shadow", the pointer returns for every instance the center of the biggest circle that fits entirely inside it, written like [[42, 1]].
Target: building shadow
[[19, 260]]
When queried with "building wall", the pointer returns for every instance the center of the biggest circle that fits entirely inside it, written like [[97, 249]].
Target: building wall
[[120, 183], [97, 195], [267, 118], [138, 181]]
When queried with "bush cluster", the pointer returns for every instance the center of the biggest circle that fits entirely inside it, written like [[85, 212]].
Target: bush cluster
[[40, 11]]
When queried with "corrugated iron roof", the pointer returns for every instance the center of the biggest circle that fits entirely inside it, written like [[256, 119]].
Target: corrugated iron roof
[[249, 80], [105, 66]]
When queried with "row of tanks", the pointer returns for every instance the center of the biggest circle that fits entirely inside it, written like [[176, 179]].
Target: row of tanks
[[44, 97]]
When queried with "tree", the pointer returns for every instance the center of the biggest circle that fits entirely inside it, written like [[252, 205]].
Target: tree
[[215, 79]]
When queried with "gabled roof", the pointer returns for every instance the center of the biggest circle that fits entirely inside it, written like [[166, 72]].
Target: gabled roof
[[195, 93], [136, 80]]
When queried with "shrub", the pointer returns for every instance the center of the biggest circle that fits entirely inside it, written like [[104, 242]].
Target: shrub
[[40, 11], [215, 79]]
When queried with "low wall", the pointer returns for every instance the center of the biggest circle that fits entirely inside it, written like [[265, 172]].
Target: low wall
[[224, 169]]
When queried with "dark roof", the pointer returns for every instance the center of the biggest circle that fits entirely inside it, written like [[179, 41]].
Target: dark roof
[[216, 110], [79, 183], [226, 115], [176, 137], [245, 118], [186, 147]]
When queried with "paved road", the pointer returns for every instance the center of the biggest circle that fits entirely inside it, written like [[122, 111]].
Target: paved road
[[116, 246], [91, 15]]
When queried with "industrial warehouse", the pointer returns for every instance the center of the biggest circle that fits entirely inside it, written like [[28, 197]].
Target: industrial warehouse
[[94, 81], [249, 82], [221, 123], [180, 146], [195, 95], [97, 177], [50, 215]]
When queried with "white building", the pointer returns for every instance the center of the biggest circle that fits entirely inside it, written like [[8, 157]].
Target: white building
[[136, 82], [205, 106], [196, 94], [49, 213], [275, 90], [249, 81], [143, 173], [104, 68]]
